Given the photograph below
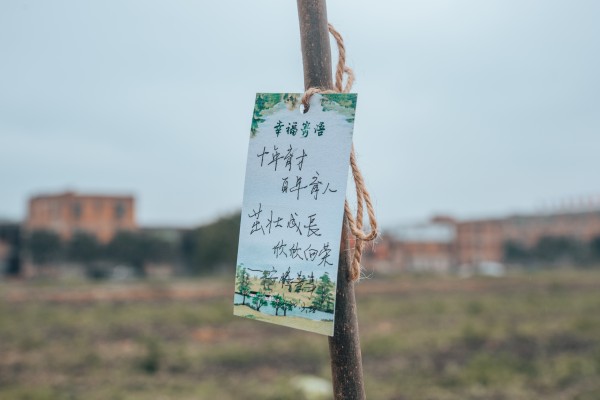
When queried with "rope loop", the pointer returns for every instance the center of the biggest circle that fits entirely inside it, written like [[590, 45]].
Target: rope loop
[[362, 194]]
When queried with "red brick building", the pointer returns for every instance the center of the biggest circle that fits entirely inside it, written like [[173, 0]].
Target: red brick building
[[420, 247], [483, 240], [444, 243], [67, 213], [479, 240]]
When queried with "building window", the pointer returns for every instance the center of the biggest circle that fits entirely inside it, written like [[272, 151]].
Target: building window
[[98, 206], [119, 211], [76, 210], [54, 209]]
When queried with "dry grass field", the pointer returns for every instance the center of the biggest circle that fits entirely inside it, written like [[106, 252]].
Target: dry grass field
[[524, 336]]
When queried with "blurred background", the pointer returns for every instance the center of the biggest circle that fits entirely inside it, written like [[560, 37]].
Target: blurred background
[[123, 137]]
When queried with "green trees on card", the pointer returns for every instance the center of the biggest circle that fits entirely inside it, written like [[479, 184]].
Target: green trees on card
[[279, 302], [243, 283], [259, 300], [324, 299]]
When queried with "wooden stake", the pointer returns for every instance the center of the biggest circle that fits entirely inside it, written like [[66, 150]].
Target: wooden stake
[[344, 346]]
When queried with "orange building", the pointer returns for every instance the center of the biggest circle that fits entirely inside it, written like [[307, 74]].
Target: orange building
[[444, 243], [427, 247], [479, 241], [67, 213], [483, 240]]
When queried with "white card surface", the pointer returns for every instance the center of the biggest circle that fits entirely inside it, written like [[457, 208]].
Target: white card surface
[[296, 175]]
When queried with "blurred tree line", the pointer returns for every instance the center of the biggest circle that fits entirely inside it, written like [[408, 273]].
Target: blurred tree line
[[553, 251], [202, 250], [212, 248], [133, 249]]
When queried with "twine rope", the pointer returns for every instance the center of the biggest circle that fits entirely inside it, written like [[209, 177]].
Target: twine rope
[[362, 194]]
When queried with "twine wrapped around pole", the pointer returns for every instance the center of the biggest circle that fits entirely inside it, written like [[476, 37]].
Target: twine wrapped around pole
[[362, 194]]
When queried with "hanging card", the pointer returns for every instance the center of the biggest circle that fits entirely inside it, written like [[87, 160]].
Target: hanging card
[[296, 175]]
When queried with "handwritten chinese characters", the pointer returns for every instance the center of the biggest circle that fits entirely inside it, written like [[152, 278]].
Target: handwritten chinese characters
[[270, 223], [297, 183], [305, 128]]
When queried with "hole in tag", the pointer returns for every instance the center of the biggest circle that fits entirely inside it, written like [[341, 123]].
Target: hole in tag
[[303, 109]]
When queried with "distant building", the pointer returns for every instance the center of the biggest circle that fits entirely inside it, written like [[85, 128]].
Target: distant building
[[479, 241], [443, 243], [425, 247], [483, 240], [67, 213]]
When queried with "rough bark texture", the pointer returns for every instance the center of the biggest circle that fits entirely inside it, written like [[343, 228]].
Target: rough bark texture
[[314, 38], [344, 346]]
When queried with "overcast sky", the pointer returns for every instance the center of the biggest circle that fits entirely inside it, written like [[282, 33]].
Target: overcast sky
[[464, 107]]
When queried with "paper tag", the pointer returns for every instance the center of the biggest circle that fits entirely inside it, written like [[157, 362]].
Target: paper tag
[[296, 174]]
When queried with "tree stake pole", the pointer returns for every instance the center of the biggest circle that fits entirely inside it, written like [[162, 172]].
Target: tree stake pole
[[344, 346]]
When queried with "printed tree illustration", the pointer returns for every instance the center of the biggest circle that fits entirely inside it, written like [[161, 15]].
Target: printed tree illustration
[[243, 283], [277, 303], [324, 299], [259, 300], [288, 305]]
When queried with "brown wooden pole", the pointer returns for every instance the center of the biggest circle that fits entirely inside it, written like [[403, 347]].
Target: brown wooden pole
[[344, 346], [314, 38]]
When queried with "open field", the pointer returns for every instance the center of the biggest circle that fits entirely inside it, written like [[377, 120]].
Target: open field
[[531, 336]]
